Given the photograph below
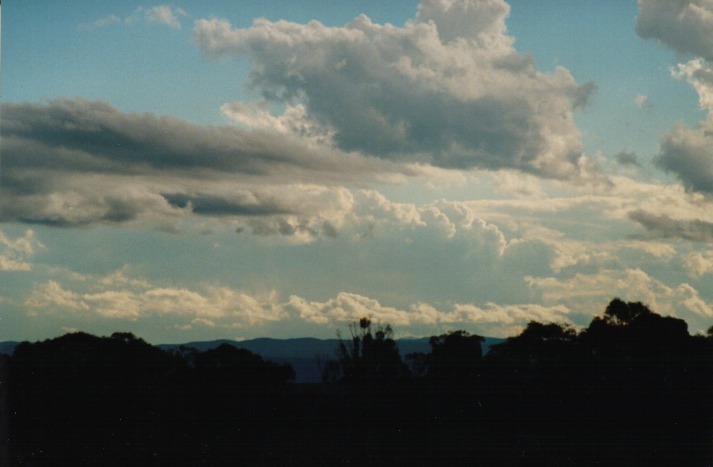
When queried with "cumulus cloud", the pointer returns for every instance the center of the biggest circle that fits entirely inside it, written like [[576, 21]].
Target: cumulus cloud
[[118, 296], [166, 15], [492, 319], [699, 74], [684, 25], [14, 253], [138, 299], [688, 153], [593, 292], [447, 88], [73, 162]]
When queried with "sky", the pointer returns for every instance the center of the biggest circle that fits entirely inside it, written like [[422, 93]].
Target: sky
[[231, 169]]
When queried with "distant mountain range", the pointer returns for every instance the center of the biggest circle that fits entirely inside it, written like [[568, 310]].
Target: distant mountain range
[[304, 354], [8, 347]]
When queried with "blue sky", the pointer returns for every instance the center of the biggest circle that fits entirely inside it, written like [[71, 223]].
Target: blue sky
[[240, 169]]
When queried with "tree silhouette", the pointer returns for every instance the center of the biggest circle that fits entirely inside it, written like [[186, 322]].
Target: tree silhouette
[[632, 388], [86, 400], [455, 356], [622, 313], [371, 357]]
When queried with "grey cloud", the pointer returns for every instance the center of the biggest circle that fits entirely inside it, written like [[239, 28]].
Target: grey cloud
[[73, 162], [667, 227], [92, 136], [627, 158], [689, 154], [684, 25], [219, 206], [73, 203], [329, 229], [284, 226], [447, 88]]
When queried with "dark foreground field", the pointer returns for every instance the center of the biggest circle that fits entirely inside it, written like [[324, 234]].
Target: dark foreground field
[[633, 388]]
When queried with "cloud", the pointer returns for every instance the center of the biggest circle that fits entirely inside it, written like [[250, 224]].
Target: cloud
[[491, 319], [9, 264], [627, 158], [165, 15], [118, 296], [643, 102], [684, 25], [512, 184], [14, 253], [699, 74], [294, 121], [688, 153], [73, 162], [447, 88], [661, 225], [218, 306], [102, 22], [594, 291], [698, 264], [687, 27], [222, 206]]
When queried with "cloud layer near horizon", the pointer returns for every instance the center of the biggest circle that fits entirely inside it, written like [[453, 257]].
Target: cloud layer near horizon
[[122, 298]]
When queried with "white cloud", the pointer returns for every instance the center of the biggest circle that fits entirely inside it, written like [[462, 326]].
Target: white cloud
[[699, 74], [7, 264], [511, 184], [347, 307], [698, 263], [165, 14], [480, 21], [642, 101], [135, 299], [102, 22], [111, 303], [492, 319], [294, 120], [14, 253], [51, 296], [447, 88], [593, 292]]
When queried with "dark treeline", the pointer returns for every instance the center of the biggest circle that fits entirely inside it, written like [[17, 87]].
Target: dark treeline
[[633, 388]]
